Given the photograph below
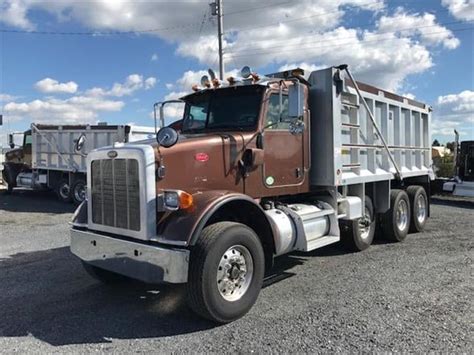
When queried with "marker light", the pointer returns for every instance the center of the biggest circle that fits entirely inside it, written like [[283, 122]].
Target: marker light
[[255, 77], [231, 80], [216, 83], [195, 87]]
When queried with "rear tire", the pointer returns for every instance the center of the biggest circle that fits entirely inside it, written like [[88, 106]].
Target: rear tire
[[78, 191], [104, 276], [358, 235], [419, 204], [63, 191], [396, 221], [226, 271]]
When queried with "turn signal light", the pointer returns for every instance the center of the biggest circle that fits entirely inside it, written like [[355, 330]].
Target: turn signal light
[[185, 200]]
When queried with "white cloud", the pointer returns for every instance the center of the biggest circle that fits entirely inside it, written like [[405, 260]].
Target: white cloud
[[14, 13], [460, 9], [132, 83], [409, 96], [149, 83], [77, 109], [454, 111], [169, 86], [154, 57], [290, 32], [7, 97], [307, 67], [51, 86], [423, 25]]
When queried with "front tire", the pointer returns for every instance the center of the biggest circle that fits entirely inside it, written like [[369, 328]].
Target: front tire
[[226, 271], [358, 235], [9, 178], [78, 191], [396, 221]]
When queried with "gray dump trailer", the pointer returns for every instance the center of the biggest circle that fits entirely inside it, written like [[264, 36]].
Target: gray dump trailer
[[54, 157]]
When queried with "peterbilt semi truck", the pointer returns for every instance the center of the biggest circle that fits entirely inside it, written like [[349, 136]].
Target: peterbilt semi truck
[[262, 166], [54, 156]]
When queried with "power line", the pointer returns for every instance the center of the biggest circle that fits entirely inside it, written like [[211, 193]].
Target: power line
[[351, 43], [301, 18], [347, 37], [255, 8], [100, 33]]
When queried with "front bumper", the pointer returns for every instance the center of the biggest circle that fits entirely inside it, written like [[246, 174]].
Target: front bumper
[[143, 262]]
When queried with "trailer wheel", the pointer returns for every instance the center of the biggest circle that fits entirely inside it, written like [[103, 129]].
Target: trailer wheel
[[419, 206], [104, 276], [63, 190], [78, 191], [358, 235], [396, 221], [225, 272]]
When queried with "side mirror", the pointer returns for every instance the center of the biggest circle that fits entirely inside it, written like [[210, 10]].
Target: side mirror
[[11, 143], [295, 101], [167, 137], [253, 157], [80, 143]]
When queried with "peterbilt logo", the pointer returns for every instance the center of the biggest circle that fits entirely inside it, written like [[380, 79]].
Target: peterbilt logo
[[112, 154]]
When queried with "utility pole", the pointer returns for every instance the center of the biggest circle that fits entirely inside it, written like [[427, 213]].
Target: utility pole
[[216, 10]]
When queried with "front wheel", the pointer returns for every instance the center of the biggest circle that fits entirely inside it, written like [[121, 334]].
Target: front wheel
[[78, 191], [358, 235], [226, 272]]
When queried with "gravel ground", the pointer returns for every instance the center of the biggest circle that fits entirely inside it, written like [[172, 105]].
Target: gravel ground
[[413, 296]]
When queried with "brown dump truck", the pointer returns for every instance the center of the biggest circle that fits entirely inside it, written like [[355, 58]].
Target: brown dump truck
[[262, 166]]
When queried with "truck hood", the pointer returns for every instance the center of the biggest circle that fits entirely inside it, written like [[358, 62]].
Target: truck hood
[[201, 162], [14, 154]]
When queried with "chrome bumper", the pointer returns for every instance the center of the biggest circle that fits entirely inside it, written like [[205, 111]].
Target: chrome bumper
[[147, 263]]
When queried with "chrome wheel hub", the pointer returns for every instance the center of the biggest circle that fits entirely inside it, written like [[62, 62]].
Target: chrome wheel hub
[[402, 215], [364, 224], [235, 273], [421, 208], [80, 193]]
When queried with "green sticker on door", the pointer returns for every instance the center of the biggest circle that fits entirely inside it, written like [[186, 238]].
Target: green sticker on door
[[270, 180]]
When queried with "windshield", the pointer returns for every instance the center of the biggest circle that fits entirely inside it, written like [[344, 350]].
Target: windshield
[[235, 108]]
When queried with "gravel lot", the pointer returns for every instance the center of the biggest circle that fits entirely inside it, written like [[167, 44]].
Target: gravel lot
[[413, 296]]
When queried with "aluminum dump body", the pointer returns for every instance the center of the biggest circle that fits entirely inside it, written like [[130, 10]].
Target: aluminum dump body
[[53, 146], [345, 146]]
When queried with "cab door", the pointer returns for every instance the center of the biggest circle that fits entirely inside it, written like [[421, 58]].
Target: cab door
[[284, 162]]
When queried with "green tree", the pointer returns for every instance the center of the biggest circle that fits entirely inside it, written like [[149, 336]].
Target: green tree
[[436, 143]]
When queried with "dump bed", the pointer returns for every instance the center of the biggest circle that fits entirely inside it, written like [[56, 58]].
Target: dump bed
[[341, 124], [53, 146]]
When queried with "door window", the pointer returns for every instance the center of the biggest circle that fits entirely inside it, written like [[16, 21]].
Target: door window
[[272, 120]]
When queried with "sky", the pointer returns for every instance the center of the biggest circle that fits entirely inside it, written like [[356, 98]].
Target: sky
[[83, 62]]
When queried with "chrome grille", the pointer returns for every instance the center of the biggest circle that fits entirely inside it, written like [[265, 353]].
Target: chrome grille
[[115, 192]]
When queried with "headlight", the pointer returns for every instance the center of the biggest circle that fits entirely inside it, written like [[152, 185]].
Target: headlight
[[177, 199], [171, 200]]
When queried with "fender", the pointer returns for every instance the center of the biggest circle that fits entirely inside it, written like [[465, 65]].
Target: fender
[[183, 227]]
